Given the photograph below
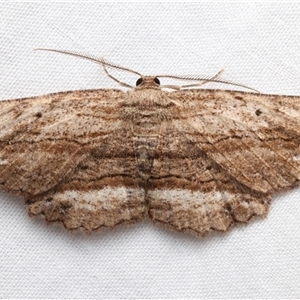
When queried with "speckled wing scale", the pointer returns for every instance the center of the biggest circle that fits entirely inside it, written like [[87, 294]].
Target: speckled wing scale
[[192, 160]]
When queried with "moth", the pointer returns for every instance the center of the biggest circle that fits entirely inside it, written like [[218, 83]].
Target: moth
[[193, 160]]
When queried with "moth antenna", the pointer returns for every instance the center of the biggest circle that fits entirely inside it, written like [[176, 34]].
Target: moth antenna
[[114, 78], [95, 59], [109, 64], [206, 80]]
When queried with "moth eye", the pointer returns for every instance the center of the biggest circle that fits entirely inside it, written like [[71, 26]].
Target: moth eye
[[139, 81], [156, 80]]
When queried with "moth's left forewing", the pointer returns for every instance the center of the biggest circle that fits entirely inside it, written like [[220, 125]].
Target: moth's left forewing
[[42, 138]]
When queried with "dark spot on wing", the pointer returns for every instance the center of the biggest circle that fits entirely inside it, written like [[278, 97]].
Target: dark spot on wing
[[239, 97], [258, 112]]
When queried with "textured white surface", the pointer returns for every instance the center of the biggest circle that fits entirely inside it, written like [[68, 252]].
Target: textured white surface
[[257, 44]]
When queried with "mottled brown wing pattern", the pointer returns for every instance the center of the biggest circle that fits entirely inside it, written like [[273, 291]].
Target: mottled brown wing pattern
[[193, 160], [102, 191], [69, 155], [239, 149], [252, 136], [191, 193]]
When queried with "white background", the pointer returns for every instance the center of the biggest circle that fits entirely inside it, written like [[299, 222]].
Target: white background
[[257, 44]]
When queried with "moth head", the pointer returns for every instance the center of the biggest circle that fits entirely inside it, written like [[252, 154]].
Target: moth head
[[148, 81]]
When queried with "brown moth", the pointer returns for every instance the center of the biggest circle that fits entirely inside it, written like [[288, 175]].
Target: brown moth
[[193, 160]]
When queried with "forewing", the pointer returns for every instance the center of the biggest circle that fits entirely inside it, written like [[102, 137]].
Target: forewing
[[254, 137]]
